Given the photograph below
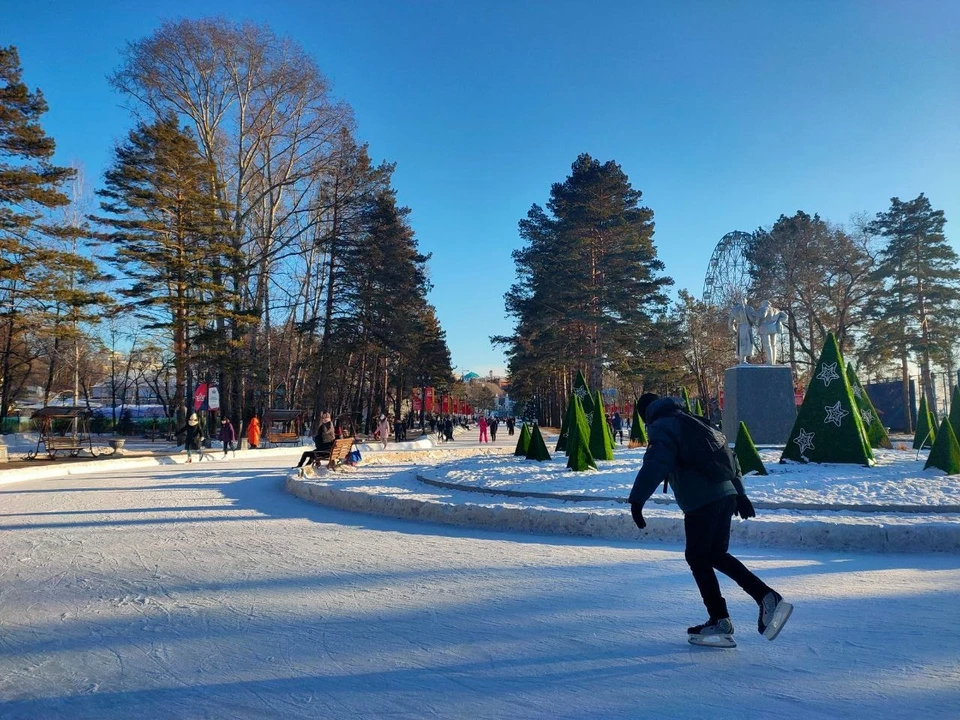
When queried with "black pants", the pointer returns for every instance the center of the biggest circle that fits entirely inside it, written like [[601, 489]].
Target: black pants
[[708, 538]]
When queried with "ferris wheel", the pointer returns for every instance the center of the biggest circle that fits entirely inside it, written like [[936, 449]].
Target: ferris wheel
[[728, 275]]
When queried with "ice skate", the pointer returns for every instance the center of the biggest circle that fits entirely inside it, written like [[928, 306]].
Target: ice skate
[[713, 633], [774, 613]]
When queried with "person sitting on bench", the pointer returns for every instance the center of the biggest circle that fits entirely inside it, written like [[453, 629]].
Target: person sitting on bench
[[324, 441]]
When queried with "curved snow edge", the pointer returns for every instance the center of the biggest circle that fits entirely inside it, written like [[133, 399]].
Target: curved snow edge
[[934, 537]]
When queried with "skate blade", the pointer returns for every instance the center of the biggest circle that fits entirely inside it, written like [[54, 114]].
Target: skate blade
[[714, 641], [780, 617]]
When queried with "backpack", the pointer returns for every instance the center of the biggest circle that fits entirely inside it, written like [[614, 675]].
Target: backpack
[[704, 448]]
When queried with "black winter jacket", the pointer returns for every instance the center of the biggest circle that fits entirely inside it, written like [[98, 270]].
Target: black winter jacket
[[662, 460]]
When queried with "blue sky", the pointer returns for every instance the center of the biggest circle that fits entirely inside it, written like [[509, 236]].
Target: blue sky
[[725, 114]]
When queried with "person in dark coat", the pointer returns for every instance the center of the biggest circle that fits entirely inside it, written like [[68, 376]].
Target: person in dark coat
[[617, 425], [708, 504], [227, 434], [324, 439], [193, 437], [493, 425]]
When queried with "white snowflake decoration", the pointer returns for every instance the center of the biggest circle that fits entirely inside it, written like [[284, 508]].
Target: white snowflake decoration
[[867, 417], [580, 392], [835, 414], [828, 373], [804, 440], [589, 419]]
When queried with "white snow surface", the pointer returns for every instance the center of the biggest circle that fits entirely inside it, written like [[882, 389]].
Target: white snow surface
[[206, 591]]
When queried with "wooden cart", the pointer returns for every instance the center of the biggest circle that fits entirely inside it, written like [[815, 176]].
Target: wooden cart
[[62, 430]]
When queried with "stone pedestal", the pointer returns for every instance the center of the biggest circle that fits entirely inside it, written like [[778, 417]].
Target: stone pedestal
[[762, 397]]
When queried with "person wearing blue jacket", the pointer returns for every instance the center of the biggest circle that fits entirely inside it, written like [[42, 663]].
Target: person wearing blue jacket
[[708, 495]]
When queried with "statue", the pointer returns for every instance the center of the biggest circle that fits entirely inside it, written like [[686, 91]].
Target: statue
[[740, 315], [769, 322]]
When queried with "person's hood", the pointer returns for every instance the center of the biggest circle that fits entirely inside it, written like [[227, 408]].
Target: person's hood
[[663, 407]]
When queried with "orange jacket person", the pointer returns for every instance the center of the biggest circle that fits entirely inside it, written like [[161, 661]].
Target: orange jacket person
[[253, 432]]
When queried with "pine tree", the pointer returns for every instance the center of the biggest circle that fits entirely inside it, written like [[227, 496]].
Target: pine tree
[[828, 428], [600, 446], [955, 411], [945, 453], [579, 457], [876, 432], [920, 272], [538, 448], [926, 428], [523, 442], [746, 452], [638, 431]]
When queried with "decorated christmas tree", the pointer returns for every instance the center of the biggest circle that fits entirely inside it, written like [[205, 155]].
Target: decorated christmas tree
[[686, 400], [746, 452], [638, 431], [945, 453], [578, 441], [568, 417], [538, 448], [828, 428], [523, 442], [582, 391], [955, 411], [601, 442], [926, 434], [876, 432]]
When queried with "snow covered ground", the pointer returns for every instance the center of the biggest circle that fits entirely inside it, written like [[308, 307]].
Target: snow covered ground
[[206, 591]]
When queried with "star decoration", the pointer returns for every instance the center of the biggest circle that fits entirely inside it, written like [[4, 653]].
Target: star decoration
[[867, 417], [835, 414], [580, 392], [828, 373], [857, 392], [589, 419], [804, 441]]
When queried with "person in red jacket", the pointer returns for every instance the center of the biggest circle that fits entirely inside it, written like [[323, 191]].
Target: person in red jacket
[[483, 429]]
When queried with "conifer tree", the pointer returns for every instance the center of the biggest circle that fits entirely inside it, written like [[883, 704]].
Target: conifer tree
[[955, 410], [828, 428], [926, 433], [523, 442], [538, 448], [638, 431], [579, 457], [945, 453], [600, 446], [746, 452], [876, 433]]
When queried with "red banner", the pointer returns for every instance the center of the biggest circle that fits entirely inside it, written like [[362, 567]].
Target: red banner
[[199, 396], [429, 400], [445, 404]]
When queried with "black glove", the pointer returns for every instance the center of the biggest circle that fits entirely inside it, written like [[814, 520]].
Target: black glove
[[745, 507], [636, 510]]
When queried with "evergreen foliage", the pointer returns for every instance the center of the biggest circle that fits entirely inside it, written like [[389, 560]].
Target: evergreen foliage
[[638, 431], [523, 442], [926, 433], [579, 457], [828, 428], [876, 433], [955, 410], [945, 453], [537, 449], [600, 441], [746, 452]]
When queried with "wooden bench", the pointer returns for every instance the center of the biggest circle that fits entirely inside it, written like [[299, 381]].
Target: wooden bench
[[281, 438], [336, 454], [71, 444]]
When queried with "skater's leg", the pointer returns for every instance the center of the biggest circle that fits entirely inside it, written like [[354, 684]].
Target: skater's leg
[[700, 528], [725, 562]]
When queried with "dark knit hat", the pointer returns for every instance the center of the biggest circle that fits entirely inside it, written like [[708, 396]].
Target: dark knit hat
[[644, 402]]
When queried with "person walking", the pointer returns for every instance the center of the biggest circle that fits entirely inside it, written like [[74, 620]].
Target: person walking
[[253, 432], [193, 437], [227, 434], [383, 430], [618, 426], [493, 425], [482, 423], [703, 472], [510, 424]]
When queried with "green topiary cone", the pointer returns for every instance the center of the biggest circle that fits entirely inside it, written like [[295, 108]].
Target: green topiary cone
[[746, 452], [876, 433], [945, 453], [578, 441], [600, 446], [955, 411], [538, 448], [523, 442], [638, 431], [926, 434], [686, 400]]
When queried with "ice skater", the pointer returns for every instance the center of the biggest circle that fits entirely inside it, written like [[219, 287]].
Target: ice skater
[[705, 476], [193, 437]]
